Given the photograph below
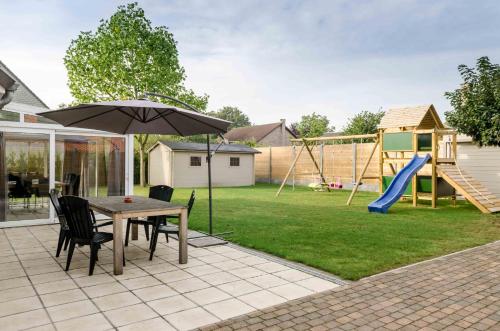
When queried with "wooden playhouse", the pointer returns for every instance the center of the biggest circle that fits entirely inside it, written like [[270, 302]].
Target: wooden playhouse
[[404, 132]]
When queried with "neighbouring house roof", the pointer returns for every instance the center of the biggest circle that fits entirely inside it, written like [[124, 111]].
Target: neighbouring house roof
[[23, 94], [411, 117], [199, 147], [255, 132]]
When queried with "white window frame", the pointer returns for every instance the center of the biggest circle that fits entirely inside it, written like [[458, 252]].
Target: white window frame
[[52, 130], [234, 157]]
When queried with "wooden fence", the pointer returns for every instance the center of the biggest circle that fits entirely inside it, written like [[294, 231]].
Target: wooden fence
[[340, 160]]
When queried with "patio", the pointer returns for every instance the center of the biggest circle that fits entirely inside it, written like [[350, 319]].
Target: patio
[[459, 291], [218, 283]]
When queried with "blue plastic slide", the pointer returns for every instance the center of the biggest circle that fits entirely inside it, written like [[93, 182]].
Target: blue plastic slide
[[398, 185]]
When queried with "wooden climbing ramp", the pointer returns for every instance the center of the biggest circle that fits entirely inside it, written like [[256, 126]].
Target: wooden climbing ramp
[[469, 187]]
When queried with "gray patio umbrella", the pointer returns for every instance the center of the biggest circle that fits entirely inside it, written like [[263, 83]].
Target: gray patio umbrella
[[137, 117], [143, 117]]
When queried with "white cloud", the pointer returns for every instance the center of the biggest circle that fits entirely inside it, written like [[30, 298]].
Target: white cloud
[[279, 59]]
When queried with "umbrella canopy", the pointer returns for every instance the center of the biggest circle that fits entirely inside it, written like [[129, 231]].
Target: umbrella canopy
[[137, 117]]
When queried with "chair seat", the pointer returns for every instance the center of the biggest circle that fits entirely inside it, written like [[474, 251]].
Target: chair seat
[[168, 228], [102, 237]]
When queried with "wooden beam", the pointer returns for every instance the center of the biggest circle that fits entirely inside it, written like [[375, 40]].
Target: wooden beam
[[316, 165], [434, 164], [292, 166], [381, 162], [414, 193], [393, 170], [358, 136], [358, 182]]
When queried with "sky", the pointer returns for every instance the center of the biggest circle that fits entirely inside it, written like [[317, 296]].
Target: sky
[[278, 58]]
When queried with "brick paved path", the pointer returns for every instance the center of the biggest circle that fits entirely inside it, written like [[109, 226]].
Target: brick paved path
[[454, 292]]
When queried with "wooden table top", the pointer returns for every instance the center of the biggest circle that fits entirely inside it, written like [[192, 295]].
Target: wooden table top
[[115, 204]]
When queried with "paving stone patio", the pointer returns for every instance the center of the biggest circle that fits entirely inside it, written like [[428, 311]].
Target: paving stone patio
[[455, 292], [218, 283]]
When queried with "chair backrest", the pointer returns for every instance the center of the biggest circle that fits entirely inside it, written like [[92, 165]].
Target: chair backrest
[[72, 183], [191, 202], [78, 216], [19, 190], [161, 192], [54, 198]]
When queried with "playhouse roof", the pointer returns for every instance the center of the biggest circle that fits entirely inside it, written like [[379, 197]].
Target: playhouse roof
[[422, 117]]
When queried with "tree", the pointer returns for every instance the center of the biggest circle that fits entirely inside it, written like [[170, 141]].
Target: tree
[[313, 125], [233, 114], [364, 122], [476, 103], [125, 57]]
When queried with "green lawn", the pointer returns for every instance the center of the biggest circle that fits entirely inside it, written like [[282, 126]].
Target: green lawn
[[318, 229]]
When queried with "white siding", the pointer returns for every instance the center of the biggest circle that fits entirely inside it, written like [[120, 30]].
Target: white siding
[[159, 166], [185, 175], [482, 163]]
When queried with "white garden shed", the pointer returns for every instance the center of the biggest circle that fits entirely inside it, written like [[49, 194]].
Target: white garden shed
[[183, 164]]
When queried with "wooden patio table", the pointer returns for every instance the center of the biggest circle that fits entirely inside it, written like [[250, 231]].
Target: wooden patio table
[[118, 210]]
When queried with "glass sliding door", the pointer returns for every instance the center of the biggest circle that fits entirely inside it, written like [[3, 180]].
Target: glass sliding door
[[90, 166], [24, 181]]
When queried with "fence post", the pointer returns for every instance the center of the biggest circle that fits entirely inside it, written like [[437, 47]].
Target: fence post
[[321, 153], [293, 173], [354, 159], [270, 165]]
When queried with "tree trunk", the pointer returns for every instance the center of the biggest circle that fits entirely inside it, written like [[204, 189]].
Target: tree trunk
[[142, 140]]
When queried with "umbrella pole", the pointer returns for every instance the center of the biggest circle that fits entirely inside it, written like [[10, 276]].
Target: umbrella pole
[[209, 163]]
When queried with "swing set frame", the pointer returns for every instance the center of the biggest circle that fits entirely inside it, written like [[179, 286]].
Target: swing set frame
[[305, 143]]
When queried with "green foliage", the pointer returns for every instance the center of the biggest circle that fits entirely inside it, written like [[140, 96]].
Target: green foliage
[[364, 122], [314, 125], [476, 103], [125, 57], [232, 114]]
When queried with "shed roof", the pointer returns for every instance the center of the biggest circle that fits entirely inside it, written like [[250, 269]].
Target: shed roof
[[255, 132], [410, 117], [199, 147]]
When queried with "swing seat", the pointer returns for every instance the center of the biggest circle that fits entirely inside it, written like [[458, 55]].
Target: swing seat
[[316, 187]]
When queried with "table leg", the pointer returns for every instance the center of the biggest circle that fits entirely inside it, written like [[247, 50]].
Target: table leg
[[183, 229], [117, 245], [135, 231]]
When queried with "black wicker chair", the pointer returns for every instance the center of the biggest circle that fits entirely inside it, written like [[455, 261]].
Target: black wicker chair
[[21, 190], [81, 220], [159, 192], [166, 228]]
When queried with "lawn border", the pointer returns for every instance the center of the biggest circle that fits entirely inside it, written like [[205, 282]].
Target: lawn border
[[427, 261]]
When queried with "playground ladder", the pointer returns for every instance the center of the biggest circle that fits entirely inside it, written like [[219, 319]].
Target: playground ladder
[[469, 187]]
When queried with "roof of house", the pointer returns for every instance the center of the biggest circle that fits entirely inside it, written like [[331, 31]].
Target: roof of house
[[23, 95], [255, 132], [411, 117], [199, 147]]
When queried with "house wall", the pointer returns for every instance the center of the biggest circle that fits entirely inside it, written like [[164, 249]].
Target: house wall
[[185, 175], [277, 137], [159, 166], [481, 163]]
